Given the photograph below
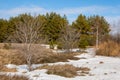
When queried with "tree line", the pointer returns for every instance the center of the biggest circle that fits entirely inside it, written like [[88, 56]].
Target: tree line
[[54, 29]]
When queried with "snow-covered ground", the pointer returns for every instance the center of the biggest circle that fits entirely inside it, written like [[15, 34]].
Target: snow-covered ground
[[62, 51], [102, 68]]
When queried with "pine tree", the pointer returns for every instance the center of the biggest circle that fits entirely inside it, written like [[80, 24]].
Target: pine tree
[[52, 28], [100, 25], [81, 24], [4, 30]]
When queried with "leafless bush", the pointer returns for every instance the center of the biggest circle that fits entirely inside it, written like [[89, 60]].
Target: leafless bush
[[69, 38], [27, 32], [116, 38]]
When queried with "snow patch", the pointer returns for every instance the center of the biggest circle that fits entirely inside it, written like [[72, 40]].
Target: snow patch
[[101, 68]]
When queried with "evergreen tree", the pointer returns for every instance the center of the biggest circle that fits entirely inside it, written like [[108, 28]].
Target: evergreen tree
[[4, 30], [52, 28], [81, 24], [103, 28]]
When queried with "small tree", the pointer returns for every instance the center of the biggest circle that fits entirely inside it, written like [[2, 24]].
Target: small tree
[[69, 38], [82, 25], [27, 32], [99, 29]]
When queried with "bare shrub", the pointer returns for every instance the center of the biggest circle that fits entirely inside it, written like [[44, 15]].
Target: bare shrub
[[69, 38], [27, 31], [39, 55], [116, 37], [5, 77], [109, 48]]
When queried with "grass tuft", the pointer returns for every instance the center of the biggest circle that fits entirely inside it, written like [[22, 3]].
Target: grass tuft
[[15, 77], [5, 69], [66, 70], [59, 57], [109, 48]]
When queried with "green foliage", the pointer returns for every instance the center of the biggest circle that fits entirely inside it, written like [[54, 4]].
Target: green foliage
[[53, 24], [84, 41], [102, 24], [81, 24], [52, 28], [88, 27], [4, 30]]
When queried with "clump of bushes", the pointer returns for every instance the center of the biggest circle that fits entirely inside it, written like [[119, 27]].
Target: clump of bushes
[[66, 70], [15, 77], [109, 48]]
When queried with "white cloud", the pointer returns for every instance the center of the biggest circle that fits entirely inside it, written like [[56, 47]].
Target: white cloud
[[84, 10], [114, 23], [20, 10], [111, 13], [112, 19], [89, 10]]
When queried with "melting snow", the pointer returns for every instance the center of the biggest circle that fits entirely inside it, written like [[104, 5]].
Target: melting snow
[[102, 68]]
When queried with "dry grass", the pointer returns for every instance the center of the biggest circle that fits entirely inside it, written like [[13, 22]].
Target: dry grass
[[109, 48], [40, 55], [5, 69], [5, 77], [11, 57], [15, 55], [59, 57], [66, 70], [83, 71]]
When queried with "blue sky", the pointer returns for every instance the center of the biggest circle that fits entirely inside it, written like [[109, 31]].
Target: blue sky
[[110, 9]]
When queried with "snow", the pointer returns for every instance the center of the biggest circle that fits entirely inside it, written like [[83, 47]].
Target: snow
[[102, 68], [62, 51], [11, 66], [22, 68], [46, 46]]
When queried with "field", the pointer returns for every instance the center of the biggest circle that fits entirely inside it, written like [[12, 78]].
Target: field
[[85, 66]]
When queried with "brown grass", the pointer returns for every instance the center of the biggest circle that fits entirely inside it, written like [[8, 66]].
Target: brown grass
[[40, 55], [59, 57], [5, 77], [11, 57], [109, 48], [5, 69], [66, 70]]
